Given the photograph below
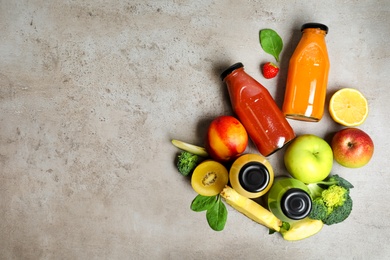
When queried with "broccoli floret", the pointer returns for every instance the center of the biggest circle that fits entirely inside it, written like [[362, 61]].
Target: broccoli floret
[[187, 162], [334, 196], [339, 214], [340, 181], [331, 201], [318, 209]]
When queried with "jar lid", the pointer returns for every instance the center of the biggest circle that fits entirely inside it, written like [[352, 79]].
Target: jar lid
[[315, 26], [296, 204], [231, 69], [254, 177]]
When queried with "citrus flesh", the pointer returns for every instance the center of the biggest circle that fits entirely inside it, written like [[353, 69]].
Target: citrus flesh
[[348, 107]]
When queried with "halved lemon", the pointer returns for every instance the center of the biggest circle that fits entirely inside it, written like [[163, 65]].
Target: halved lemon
[[348, 107]]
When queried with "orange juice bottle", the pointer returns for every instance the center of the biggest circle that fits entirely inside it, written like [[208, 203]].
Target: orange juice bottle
[[307, 76]]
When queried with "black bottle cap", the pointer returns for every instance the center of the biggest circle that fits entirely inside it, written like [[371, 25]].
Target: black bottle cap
[[230, 69], [254, 177], [296, 204], [315, 26]]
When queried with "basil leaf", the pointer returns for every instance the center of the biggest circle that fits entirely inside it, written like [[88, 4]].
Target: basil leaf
[[217, 215], [271, 42], [201, 203]]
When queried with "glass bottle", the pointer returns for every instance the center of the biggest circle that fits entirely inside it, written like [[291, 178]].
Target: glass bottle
[[257, 111], [251, 175], [289, 199], [307, 76]]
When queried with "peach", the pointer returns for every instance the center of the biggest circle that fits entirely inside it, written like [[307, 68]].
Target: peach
[[226, 138]]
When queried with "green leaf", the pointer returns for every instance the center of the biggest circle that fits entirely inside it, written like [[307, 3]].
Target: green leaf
[[271, 231], [271, 42], [201, 203], [217, 216], [285, 227]]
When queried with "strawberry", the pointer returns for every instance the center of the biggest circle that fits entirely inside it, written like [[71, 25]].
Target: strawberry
[[270, 70]]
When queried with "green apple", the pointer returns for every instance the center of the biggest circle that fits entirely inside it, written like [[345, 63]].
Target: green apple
[[309, 158]]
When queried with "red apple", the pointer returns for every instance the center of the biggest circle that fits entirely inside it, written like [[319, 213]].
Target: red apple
[[352, 147], [226, 138]]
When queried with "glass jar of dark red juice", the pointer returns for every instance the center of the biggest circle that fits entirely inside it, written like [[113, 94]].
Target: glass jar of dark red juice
[[257, 111]]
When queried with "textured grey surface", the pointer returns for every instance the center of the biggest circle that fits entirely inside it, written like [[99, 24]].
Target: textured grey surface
[[91, 92]]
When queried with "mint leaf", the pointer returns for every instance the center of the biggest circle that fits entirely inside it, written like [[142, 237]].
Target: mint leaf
[[217, 215], [201, 203], [271, 42]]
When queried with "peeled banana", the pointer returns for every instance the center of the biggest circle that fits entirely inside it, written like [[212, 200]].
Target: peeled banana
[[251, 209]]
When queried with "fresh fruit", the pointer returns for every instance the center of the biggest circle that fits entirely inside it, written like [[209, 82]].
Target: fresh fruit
[[348, 107], [270, 70], [194, 149], [209, 178], [302, 229], [309, 158], [226, 138], [251, 209], [352, 147]]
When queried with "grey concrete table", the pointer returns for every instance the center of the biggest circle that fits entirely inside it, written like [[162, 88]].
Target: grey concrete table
[[91, 92]]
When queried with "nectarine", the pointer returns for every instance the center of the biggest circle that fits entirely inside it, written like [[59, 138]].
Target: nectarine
[[226, 138]]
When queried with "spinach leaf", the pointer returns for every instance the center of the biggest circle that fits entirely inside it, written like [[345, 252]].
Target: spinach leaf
[[201, 203], [217, 215], [271, 42]]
